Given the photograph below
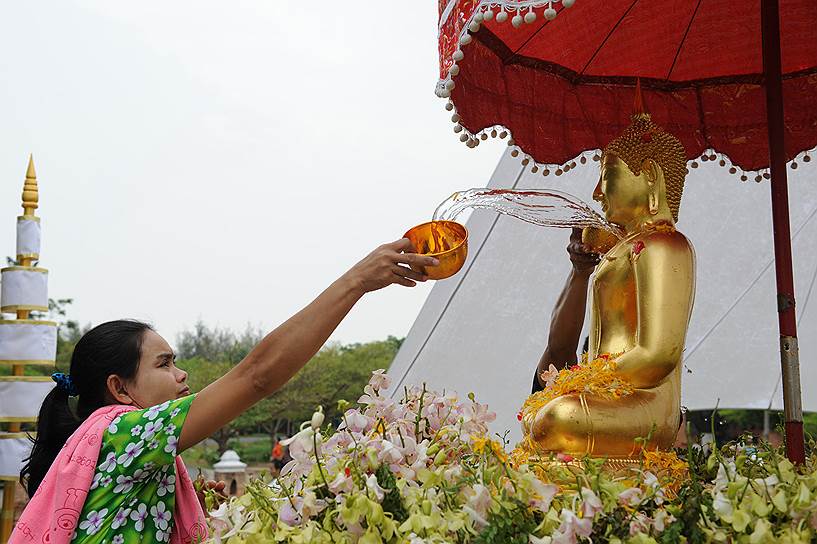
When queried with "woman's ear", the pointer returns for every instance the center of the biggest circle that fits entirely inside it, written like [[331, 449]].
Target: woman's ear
[[117, 390]]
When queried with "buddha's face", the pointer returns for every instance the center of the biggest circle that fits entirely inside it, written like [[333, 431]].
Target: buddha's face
[[622, 194]]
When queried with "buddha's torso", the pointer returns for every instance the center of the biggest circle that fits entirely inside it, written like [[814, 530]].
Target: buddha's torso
[[613, 303], [614, 300]]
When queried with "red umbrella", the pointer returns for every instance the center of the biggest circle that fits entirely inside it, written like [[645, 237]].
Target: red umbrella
[[559, 75]]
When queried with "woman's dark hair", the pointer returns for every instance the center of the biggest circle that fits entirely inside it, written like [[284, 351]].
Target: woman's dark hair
[[110, 348]]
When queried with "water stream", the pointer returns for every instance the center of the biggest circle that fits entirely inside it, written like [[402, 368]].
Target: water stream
[[543, 207]]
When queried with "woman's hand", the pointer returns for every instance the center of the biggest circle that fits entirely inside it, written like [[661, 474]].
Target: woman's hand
[[390, 263]]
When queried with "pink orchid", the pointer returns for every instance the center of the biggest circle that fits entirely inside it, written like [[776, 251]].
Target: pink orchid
[[572, 527], [479, 501], [591, 504], [639, 524], [357, 422], [477, 417], [542, 495], [390, 453], [289, 513], [408, 448], [355, 529], [226, 521], [651, 481], [402, 471], [311, 504], [549, 375], [479, 521], [301, 443], [631, 496], [342, 483], [374, 487], [380, 380]]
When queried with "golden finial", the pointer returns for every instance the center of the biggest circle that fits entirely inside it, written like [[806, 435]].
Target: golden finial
[[31, 196], [638, 104]]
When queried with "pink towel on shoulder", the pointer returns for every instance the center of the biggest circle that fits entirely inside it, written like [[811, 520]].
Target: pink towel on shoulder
[[52, 513]]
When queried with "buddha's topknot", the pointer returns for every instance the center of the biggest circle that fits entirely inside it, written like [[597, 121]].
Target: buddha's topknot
[[644, 140]]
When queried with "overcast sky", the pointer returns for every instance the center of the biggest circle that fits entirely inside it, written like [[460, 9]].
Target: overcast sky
[[225, 160]]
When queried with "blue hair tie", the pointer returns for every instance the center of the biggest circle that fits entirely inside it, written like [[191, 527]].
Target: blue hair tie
[[65, 383]]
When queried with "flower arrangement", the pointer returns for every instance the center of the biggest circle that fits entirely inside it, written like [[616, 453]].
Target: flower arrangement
[[421, 468]]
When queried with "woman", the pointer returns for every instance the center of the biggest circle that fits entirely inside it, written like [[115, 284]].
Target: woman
[[104, 465]]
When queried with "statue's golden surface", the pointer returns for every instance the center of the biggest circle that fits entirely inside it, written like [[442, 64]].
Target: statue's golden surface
[[642, 294]]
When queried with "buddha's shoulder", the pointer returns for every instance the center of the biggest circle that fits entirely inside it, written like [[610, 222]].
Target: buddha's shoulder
[[668, 239]]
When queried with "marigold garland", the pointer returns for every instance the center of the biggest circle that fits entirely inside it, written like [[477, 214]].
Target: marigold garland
[[597, 378], [671, 470]]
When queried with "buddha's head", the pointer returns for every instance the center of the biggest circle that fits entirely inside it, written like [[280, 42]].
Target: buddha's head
[[642, 174]]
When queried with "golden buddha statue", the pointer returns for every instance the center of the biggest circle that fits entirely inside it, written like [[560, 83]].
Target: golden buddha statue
[[641, 300]]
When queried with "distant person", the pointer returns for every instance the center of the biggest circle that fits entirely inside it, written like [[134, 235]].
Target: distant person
[[277, 456], [104, 466]]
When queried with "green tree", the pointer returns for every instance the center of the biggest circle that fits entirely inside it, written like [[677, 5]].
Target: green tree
[[336, 372], [216, 344]]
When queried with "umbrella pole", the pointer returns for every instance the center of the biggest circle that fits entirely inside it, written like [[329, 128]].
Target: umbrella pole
[[789, 355]]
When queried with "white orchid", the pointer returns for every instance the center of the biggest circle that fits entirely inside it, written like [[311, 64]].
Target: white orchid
[[317, 419]]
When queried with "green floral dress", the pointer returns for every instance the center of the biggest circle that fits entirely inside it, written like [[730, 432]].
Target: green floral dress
[[133, 492]]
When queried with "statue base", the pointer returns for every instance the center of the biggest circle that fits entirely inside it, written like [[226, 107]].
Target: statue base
[[617, 466]]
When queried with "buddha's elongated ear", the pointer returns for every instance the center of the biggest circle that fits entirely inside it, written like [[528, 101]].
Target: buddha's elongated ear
[[655, 181]]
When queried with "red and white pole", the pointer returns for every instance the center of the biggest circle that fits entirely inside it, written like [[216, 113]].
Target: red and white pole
[[789, 354]]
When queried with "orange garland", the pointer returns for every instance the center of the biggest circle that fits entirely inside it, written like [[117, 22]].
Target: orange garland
[[597, 377]]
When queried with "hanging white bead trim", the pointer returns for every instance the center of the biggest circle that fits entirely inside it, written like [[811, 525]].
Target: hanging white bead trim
[[485, 11], [758, 176]]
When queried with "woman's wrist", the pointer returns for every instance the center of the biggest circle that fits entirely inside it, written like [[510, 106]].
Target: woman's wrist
[[351, 285]]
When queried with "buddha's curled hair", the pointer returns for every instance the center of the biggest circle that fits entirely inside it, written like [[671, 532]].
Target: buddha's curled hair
[[643, 140]]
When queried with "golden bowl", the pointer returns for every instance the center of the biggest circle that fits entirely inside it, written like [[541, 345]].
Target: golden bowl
[[447, 241]]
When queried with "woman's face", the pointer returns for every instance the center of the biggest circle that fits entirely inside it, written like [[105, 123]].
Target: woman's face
[[157, 379]]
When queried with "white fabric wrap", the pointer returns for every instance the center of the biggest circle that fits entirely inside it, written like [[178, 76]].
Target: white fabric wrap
[[22, 287], [28, 237], [28, 341], [22, 399], [12, 453]]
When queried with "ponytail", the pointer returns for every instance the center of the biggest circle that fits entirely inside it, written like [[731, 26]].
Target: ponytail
[[111, 348]]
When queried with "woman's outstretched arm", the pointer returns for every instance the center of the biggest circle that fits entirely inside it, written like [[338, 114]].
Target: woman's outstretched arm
[[287, 349]]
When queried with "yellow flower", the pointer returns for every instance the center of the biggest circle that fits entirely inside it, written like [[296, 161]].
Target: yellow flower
[[480, 443], [498, 450], [484, 443]]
